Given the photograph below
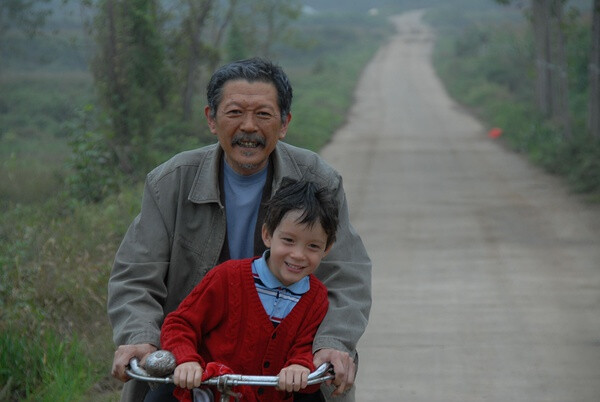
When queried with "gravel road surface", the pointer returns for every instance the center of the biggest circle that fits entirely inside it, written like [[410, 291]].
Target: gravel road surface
[[486, 271]]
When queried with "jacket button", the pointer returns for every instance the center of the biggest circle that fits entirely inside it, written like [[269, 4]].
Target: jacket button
[[266, 364], [260, 391], [274, 335]]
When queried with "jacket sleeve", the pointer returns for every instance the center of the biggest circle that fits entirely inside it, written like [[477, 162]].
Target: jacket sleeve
[[136, 288], [346, 272]]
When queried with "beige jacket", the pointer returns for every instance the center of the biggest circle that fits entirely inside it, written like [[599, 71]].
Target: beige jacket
[[180, 231]]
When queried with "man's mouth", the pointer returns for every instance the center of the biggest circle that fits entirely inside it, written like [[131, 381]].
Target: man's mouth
[[248, 144], [248, 141]]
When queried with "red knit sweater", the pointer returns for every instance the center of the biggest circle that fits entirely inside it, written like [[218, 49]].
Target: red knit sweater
[[223, 320]]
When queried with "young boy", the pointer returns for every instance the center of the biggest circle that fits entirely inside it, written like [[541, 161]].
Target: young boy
[[259, 316]]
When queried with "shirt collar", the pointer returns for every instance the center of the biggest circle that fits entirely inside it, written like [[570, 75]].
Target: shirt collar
[[271, 281]]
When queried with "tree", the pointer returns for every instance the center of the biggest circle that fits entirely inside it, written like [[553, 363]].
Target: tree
[[270, 18], [552, 92], [194, 49], [26, 15], [276, 15], [594, 74], [130, 75]]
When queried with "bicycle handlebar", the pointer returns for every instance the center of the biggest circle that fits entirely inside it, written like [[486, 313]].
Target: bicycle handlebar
[[321, 374]]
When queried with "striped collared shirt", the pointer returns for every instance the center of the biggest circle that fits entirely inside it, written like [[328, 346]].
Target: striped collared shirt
[[278, 300]]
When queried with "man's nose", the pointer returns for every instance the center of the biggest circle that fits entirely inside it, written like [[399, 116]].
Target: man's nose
[[248, 123]]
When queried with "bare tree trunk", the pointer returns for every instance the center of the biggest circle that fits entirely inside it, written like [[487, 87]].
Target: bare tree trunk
[[541, 24], [270, 16], [195, 27], [594, 73], [560, 98], [119, 142], [212, 65]]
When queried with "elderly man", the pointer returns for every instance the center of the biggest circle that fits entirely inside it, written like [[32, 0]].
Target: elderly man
[[205, 206]]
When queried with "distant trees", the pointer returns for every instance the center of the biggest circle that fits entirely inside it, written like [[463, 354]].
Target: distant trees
[[151, 60], [552, 94], [26, 15]]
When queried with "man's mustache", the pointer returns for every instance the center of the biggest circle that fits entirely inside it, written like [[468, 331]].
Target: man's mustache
[[240, 138]]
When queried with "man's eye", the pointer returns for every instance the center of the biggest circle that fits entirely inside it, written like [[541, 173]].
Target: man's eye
[[233, 112], [264, 115]]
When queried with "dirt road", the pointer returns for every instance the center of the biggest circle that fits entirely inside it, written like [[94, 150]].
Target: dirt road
[[486, 271]]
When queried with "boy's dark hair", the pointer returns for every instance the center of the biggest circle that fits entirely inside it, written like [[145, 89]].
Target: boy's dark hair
[[318, 204], [251, 70]]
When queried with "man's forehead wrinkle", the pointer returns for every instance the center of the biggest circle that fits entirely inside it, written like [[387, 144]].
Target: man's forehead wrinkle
[[246, 103]]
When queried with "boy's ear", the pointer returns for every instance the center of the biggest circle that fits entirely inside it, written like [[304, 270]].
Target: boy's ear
[[266, 237], [327, 250]]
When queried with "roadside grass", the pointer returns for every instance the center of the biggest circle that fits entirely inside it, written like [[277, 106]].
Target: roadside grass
[[56, 252], [488, 65], [55, 259], [42, 367]]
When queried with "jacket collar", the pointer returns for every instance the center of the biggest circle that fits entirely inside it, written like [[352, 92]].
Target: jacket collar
[[205, 188]]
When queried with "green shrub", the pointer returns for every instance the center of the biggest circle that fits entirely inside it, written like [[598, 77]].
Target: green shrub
[[93, 165], [42, 366]]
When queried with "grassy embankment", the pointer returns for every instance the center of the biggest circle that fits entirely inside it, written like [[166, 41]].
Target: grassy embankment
[[485, 58], [56, 252]]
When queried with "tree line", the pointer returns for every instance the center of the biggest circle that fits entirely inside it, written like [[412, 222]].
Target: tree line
[[152, 57], [552, 95], [150, 61]]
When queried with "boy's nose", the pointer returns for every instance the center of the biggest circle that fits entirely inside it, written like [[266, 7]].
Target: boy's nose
[[297, 253]]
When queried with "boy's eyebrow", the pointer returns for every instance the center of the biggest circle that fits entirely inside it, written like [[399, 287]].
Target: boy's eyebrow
[[311, 240]]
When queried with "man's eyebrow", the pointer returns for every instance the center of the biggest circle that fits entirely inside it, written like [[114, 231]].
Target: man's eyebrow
[[239, 104]]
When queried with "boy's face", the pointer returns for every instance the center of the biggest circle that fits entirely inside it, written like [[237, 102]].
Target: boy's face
[[296, 249]]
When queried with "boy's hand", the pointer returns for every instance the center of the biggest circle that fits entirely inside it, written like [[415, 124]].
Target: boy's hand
[[188, 375], [293, 378]]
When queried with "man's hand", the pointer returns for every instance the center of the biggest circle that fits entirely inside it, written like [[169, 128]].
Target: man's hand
[[188, 375], [343, 365], [125, 353], [293, 378]]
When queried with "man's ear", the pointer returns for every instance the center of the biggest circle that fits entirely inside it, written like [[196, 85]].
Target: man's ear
[[266, 237], [285, 126], [210, 120]]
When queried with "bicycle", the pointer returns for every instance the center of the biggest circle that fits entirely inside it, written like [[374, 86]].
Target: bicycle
[[161, 364]]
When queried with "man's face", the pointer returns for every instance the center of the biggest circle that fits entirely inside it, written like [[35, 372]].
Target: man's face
[[248, 124]]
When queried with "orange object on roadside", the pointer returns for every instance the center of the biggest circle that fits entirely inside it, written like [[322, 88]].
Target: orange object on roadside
[[495, 132]]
